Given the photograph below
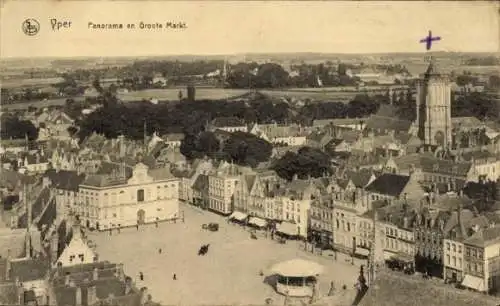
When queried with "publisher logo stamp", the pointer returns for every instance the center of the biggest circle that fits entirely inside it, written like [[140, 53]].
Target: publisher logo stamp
[[31, 27]]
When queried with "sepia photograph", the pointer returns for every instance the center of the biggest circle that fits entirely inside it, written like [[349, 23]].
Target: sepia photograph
[[288, 153]]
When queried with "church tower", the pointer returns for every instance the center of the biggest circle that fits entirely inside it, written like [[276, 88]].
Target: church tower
[[434, 108]]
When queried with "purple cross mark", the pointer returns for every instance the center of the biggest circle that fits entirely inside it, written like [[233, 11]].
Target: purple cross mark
[[429, 39]]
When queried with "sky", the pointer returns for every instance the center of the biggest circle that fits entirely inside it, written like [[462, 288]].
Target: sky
[[225, 27]]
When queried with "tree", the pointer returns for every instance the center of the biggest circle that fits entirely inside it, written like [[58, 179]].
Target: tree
[[191, 91], [247, 149], [208, 143], [306, 162], [196, 146], [72, 130], [342, 69], [13, 128], [97, 85], [188, 147], [271, 75]]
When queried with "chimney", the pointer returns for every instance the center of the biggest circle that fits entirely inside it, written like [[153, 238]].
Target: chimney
[[78, 296], [91, 295], [95, 274]]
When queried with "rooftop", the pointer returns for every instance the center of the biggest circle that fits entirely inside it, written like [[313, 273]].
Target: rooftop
[[391, 289], [389, 184]]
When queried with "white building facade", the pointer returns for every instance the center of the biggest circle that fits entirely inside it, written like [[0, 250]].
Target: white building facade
[[113, 201]]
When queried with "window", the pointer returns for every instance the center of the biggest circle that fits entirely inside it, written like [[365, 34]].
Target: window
[[460, 262], [460, 249], [140, 195], [453, 247], [447, 259], [454, 261]]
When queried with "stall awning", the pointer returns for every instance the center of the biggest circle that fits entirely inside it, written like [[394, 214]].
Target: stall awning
[[402, 257], [238, 216], [287, 228], [257, 221], [389, 255], [473, 282], [362, 252]]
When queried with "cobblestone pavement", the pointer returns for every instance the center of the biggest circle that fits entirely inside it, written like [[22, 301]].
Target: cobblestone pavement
[[228, 274]]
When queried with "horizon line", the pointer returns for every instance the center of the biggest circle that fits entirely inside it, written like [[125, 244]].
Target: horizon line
[[497, 53]]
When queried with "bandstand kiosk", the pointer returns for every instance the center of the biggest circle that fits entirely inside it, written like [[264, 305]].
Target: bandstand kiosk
[[297, 277]]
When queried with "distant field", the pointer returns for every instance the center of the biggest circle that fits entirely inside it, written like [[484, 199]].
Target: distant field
[[13, 83], [173, 94], [320, 95], [37, 104], [221, 93]]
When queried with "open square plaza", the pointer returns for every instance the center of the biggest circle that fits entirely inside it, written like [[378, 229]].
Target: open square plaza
[[228, 274]]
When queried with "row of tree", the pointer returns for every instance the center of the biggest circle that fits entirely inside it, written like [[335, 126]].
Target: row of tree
[[249, 150], [307, 162], [191, 117], [14, 128], [241, 148]]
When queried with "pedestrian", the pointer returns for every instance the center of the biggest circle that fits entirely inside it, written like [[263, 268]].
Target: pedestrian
[[111, 232], [137, 226], [174, 277], [156, 224], [141, 276], [159, 250]]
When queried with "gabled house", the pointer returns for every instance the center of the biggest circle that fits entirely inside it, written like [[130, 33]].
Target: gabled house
[[173, 140], [437, 170], [360, 178], [391, 187], [33, 162], [318, 140], [385, 121]]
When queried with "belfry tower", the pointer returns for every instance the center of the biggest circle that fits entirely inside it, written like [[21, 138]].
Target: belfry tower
[[434, 108]]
